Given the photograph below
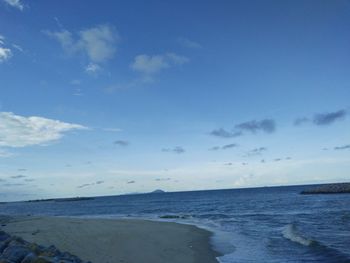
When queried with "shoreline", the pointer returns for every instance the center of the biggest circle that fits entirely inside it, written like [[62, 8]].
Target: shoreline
[[116, 240]]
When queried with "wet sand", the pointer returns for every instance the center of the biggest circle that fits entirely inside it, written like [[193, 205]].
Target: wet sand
[[117, 240]]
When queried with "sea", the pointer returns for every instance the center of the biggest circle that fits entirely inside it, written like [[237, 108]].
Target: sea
[[269, 224]]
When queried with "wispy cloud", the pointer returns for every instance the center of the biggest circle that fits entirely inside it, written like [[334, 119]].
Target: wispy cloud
[[322, 119], [29, 180], [5, 153], [229, 146], [343, 147], [254, 126], [20, 131], [151, 65], [162, 179], [90, 184], [19, 176], [5, 52], [112, 129], [301, 121], [121, 143], [15, 3], [84, 185], [214, 148], [224, 133], [98, 43], [78, 92], [13, 184], [266, 125], [177, 149], [256, 151], [93, 68], [18, 47], [329, 118], [185, 42], [224, 147]]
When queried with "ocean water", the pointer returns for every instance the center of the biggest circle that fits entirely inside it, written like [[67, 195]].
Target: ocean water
[[271, 224]]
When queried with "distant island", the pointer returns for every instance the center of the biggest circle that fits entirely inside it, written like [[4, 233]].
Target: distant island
[[337, 188], [158, 191]]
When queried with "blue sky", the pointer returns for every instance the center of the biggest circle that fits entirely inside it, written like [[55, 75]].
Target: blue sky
[[112, 97]]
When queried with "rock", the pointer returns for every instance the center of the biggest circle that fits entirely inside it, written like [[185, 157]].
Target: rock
[[29, 258], [15, 253], [43, 260], [16, 250], [4, 244], [51, 251], [3, 236]]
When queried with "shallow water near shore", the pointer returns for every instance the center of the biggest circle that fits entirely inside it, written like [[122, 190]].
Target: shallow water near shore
[[271, 224]]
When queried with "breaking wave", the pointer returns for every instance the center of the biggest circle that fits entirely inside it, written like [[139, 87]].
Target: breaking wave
[[291, 232]]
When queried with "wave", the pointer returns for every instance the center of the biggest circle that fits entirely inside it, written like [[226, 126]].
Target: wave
[[291, 232], [331, 254]]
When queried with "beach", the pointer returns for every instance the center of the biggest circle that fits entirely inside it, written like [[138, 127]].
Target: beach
[[116, 240]]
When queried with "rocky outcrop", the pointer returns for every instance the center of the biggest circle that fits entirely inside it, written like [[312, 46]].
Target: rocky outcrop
[[340, 188], [16, 250]]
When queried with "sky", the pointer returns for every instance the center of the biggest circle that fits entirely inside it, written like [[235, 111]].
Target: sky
[[115, 97]]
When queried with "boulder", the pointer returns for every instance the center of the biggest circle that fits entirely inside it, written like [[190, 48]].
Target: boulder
[[29, 258], [15, 253]]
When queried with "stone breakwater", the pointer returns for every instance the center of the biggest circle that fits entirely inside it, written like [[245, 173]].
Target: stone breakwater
[[340, 188], [16, 250]]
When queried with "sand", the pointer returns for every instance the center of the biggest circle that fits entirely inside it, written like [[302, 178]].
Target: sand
[[116, 241]]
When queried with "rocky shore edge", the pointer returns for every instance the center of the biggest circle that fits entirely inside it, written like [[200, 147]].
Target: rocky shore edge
[[16, 250], [337, 188]]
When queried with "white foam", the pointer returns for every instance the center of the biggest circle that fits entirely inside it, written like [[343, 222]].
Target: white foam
[[291, 232]]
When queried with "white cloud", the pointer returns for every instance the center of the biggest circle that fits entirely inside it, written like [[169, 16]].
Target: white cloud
[[65, 38], [15, 3], [177, 59], [185, 42], [5, 53], [149, 65], [92, 68], [19, 131], [18, 47], [98, 43]]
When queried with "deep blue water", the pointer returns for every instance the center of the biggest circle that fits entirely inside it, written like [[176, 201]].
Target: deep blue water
[[272, 224]]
